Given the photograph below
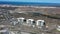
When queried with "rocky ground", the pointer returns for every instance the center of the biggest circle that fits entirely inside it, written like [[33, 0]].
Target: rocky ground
[[36, 13]]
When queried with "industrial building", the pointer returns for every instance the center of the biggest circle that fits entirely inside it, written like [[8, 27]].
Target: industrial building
[[13, 21], [29, 22], [40, 23], [20, 20], [58, 28]]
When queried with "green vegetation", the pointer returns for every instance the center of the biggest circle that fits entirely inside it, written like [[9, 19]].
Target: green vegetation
[[54, 16]]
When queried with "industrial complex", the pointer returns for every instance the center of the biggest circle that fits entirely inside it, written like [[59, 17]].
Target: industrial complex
[[29, 16], [29, 19]]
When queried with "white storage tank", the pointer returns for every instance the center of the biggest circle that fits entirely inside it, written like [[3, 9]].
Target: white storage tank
[[29, 21], [13, 21], [40, 23], [58, 28], [21, 20]]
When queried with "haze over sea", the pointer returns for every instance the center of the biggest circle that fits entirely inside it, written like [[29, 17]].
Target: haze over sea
[[32, 2]]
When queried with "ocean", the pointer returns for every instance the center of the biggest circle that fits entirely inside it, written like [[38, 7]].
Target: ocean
[[31, 4]]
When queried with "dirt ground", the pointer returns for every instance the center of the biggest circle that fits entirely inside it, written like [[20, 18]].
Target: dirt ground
[[50, 22]]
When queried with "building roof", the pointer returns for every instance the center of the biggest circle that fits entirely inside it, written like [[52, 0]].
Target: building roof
[[31, 19], [20, 18], [41, 20]]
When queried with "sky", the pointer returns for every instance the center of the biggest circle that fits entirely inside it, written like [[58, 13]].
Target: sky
[[39, 1]]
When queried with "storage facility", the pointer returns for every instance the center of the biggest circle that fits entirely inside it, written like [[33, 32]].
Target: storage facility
[[40, 23], [21, 20]]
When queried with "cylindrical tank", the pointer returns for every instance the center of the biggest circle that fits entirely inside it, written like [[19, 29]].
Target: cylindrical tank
[[29, 21], [13, 21], [40, 23], [20, 20]]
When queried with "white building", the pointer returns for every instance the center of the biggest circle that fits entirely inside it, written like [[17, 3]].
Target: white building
[[20, 20], [58, 28], [40, 23], [30, 22], [14, 21]]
